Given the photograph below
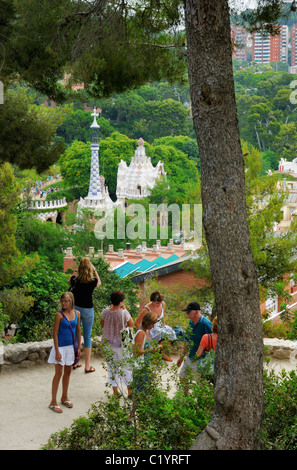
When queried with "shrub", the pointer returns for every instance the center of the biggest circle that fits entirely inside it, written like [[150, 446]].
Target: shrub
[[275, 330], [161, 422], [279, 430], [46, 287]]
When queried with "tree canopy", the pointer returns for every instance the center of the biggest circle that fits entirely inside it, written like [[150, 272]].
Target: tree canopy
[[78, 38], [27, 131]]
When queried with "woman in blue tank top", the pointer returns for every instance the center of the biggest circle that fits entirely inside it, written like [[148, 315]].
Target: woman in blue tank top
[[62, 353]]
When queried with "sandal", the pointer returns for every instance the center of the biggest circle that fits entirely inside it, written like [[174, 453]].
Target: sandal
[[55, 408], [91, 369], [67, 403], [77, 365]]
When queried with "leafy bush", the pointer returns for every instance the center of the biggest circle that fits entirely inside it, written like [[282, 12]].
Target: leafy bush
[[46, 239], [3, 319], [164, 422], [275, 330], [279, 430], [161, 422], [57, 195], [46, 287]]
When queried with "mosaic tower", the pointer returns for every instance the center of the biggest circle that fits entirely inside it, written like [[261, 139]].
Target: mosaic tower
[[95, 191], [98, 195]]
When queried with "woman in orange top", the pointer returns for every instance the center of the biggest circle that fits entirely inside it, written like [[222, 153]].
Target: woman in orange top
[[208, 341]]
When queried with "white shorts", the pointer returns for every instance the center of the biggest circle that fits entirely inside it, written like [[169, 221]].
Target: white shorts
[[67, 353]]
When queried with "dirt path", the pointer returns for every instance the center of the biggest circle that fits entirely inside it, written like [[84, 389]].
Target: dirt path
[[26, 422]]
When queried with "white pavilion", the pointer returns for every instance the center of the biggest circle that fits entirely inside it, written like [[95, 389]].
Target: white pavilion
[[137, 180]]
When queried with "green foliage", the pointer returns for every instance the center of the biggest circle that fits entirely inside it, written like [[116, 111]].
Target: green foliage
[[15, 302], [156, 110], [276, 330], [46, 286], [267, 118], [27, 131], [4, 319], [12, 263], [279, 425], [293, 327], [185, 144], [46, 239], [57, 195], [75, 165], [179, 168], [160, 422], [162, 118], [77, 127], [275, 256], [75, 38]]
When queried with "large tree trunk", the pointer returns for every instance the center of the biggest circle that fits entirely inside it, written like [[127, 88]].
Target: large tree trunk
[[239, 355]]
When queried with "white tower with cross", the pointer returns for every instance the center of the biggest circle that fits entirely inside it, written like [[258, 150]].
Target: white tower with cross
[[95, 182], [98, 195]]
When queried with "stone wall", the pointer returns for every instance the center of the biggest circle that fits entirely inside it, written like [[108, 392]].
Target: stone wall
[[24, 355], [280, 349]]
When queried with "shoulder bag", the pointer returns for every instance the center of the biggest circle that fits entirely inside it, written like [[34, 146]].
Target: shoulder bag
[[126, 332]]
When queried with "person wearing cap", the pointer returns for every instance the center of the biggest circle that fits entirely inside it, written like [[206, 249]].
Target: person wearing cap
[[199, 326]]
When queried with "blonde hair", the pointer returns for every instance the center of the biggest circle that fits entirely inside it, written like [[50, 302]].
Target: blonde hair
[[148, 319], [70, 297], [84, 271]]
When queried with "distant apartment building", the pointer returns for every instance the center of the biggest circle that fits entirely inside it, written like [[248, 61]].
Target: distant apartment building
[[285, 43], [268, 48], [293, 67], [239, 38]]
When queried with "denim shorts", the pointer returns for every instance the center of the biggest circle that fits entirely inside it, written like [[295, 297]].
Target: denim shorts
[[86, 320]]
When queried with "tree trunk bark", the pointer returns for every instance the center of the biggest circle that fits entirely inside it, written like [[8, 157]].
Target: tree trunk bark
[[239, 356]]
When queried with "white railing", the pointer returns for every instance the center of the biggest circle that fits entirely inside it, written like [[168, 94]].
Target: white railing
[[36, 205], [282, 311]]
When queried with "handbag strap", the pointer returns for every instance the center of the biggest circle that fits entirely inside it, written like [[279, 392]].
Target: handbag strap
[[123, 322], [69, 324], [144, 339], [210, 343]]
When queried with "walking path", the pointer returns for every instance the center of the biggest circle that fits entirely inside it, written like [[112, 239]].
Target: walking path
[[26, 422]]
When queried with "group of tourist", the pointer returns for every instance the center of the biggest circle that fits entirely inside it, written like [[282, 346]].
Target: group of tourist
[[77, 310]]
